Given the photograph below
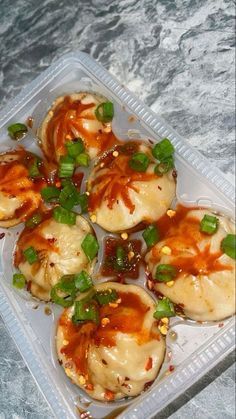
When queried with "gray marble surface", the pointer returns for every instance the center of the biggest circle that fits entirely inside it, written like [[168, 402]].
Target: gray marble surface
[[178, 56]]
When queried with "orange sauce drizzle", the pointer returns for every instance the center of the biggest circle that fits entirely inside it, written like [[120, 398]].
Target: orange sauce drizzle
[[182, 233], [67, 119], [116, 182], [127, 317]]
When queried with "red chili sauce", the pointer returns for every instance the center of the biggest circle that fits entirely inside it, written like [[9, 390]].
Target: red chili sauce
[[132, 251], [116, 179], [66, 120], [183, 232], [126, 317]]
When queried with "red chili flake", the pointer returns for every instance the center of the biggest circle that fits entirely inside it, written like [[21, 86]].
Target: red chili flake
[[174, 174], [220, 324], [2, 235], [52, 264], [109, 395], [160, 188], [104, 362], [28, 286], [148, 365], [52, 240], [171, 368], [150, 141], [89, 387], [60, 361], [127, 378]]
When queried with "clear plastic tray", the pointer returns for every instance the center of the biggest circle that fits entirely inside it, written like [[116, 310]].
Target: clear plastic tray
[[196, 347]]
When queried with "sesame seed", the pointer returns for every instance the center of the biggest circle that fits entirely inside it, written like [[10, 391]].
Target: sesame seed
[[50, 113], [115, 153], [105, 321], [93, 218], [102, 165], [113, 305], [130, 255], [171, 213], [163, 329], [124, 236], [65, 342], [107, 128], [170, 283], [165, 320], [87, 193], [82, 380]]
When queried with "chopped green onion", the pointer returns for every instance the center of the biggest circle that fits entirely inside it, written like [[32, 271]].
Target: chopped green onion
[[18, 281], [139, 162], [50, 193], [83, 202], [228, 245], [30, 255], [62, 215], [85, 310], [164, 166], [120, 258], [63, 287], [33, 168], [105, 112], [75, 147], [67, 284], [163, 150], [34, 220], [151, 235], [83, 281], [106, 297], [66, 166], [82, 160], [164, 308], [209, 224], [17, 131], [165, 273], [90, 246], [69, 196]]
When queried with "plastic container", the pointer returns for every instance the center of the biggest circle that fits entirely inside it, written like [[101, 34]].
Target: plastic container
[[195, 347]]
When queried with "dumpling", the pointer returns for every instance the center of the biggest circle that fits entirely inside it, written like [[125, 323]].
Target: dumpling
[[19, 194], [121, 197], [71, 117], [117, 356], [59, 253], [201, 278]]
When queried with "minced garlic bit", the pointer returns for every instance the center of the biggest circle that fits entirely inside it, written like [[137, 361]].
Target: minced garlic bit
[[131, 255], [165, 320], [93, 218], [124, 236], [171, 213], [166, 250], [115, 153], [87, 193], [105, 321], [163, 329], [170, 283], [113, 305], [82, 380]]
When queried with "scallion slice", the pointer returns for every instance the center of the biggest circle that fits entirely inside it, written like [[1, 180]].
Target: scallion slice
[[18, 281], [69, 196], [163, 150], [63, 216], [83, 202], [50, 193], [17, 131], [209, 224], [34, 220], [33, 168], [83, 281], [104, 112], [165, 273], [75, 147], [64, 292], [82, 160], [164, 166], [30, 255], [164, 308], [139, 162], [151, 235], [66, 166], [85, 310], [90, 246], [120, 258], [106, 297], [228, 245]]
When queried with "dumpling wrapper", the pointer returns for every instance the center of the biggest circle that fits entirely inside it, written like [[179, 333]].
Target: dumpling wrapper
[[70, 117], [128, 198], [204, 296], [59, 253], [121, 370], [18, 197]]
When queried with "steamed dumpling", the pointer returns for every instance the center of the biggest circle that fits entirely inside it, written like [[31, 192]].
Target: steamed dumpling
[[19, 195], [73, 117], [205, 281], [120, 197], [117, 357], [59, 253]]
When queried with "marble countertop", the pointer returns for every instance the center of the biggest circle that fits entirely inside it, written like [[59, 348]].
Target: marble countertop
[[176, 55]]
